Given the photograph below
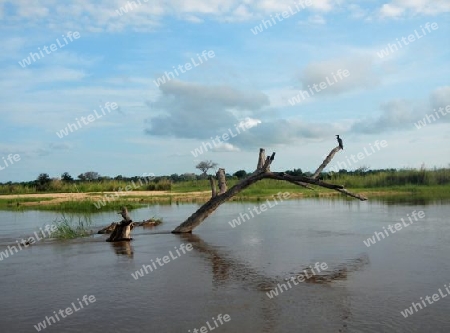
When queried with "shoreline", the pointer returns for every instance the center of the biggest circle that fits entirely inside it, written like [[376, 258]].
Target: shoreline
[[142, 197]]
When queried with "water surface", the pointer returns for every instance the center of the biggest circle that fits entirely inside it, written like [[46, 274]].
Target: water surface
[[230, 270]]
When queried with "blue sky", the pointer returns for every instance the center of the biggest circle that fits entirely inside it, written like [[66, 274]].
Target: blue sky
[[251, 79]]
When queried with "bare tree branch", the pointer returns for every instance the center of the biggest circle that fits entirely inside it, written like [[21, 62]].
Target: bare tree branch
[[262, 172], [325, 162]]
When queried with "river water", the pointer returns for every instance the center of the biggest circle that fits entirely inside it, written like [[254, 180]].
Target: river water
[[231, 271]]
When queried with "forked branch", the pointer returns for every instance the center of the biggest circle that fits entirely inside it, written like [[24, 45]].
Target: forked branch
[[262, 172]]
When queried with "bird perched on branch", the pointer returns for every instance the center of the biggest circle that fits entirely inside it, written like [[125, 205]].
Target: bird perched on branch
[[341, 145]]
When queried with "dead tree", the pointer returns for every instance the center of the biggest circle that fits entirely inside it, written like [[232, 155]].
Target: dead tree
[[222, 181], [212, 182], [122, 230], [262, 172]]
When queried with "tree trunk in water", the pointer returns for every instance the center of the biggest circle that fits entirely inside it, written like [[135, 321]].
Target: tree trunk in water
[[120, 233], [262, 171], [123, 229], [204, 211]]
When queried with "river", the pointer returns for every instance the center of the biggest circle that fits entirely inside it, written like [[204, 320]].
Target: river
[[224, 278]]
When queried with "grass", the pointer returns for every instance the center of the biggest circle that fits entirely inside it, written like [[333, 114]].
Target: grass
[[87, 206], [67, 228], [16, 203], [58, 186], [429, 184], [71, 206], [391, 178]]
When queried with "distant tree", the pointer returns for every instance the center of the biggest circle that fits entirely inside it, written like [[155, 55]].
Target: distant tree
[[119, 177], [362, 170], [188, 176], [175, 177], [89, 175], [240, 174], [65, 177], [43, 182], [81, 177], [295, 172], [204, 166]]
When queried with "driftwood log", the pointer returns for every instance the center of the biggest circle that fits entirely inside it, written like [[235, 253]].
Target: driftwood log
[[122, 230], [146, 224], [262, 172]]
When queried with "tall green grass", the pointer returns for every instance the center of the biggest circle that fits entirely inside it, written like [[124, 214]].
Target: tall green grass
[[58, 186], [404, 177], [404, 180], [68, 228], [17, 203]]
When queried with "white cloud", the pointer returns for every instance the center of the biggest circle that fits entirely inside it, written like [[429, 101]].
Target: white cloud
[[102, 15], [249, 123], [191, 110], [388, 10], [398, 8], [360, 68], [357, 11], [440, 97], [314, 20], [402, 114], [225, 147]]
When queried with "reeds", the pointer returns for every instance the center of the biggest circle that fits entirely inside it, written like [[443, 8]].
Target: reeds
[[67, 228]]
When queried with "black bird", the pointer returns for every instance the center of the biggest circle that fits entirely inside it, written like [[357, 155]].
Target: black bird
[[341, 145]]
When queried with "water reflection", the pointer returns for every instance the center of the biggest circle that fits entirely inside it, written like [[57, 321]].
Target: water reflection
[[410, 200], [231, 270], [123, 248], [225, 268]]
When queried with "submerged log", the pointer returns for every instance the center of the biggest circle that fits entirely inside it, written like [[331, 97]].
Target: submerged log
[[146, 224], [109, 229], [262, 172], [122, 230]]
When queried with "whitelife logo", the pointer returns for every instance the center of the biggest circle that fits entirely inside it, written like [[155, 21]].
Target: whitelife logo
[[184, 68], [222, 320], [391, 48], [49, 229], [244, 217], [318, 87], [360, 156], [417, 306], [72, 127], [53, 47], [244, 125], [165, 260], [266, 24], [111, 197], [11, 158], [68, 311], [397, 226], [129, 7], [429, 118], [319, 267]]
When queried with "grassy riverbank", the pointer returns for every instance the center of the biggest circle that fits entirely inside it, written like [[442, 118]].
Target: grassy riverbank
[[111, 194], [197, 192]]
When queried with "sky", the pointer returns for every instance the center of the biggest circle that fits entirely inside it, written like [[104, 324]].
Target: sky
[[128, 88]]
